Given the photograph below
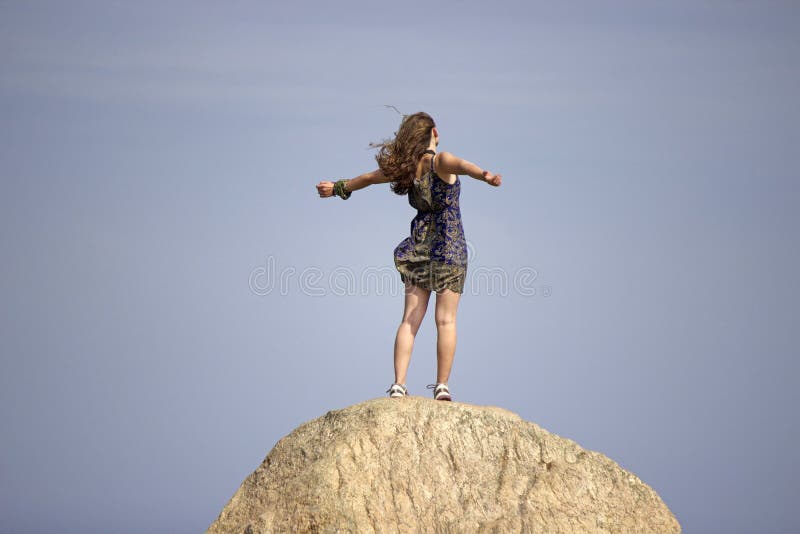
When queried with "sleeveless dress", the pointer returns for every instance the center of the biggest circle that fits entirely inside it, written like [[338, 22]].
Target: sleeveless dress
[[434, 256]]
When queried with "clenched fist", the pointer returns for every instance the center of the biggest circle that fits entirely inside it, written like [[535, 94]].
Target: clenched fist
[[325, 189]]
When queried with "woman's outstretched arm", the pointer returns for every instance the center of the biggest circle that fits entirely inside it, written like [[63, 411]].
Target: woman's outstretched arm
[[449, 163], [325, 188]]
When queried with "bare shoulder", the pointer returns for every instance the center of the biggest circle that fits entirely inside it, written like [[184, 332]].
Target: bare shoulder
[[446, 167], [448, 163], [445, 157]]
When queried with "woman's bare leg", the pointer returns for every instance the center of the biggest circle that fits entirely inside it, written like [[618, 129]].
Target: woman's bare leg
[[446, 308], [415, 306]]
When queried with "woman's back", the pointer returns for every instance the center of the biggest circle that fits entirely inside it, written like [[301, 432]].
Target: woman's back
[[429, 192], [424, 166]]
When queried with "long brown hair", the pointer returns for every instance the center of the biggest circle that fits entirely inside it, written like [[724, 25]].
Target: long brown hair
[[398, 157]]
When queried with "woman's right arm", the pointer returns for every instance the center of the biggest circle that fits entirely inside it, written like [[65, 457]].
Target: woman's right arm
[[448, 163], [325, 188]]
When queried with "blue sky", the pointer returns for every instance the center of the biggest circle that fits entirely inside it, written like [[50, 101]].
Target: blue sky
[[156, 157]]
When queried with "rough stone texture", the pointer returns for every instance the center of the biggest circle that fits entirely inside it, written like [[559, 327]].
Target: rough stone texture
[[418, 465]]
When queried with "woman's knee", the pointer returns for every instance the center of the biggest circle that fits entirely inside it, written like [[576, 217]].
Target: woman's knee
[[445, 319], [446, 308]]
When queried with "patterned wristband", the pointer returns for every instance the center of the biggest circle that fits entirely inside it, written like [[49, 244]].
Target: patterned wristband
[[339, 190]]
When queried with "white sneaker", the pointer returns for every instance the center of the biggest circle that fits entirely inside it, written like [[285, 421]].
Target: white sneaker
[[397, 390], [440, 391]]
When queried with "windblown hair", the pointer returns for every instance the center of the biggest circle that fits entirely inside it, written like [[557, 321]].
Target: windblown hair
[[398, 158]]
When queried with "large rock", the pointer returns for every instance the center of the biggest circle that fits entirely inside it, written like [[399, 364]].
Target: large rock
[[418, 465]]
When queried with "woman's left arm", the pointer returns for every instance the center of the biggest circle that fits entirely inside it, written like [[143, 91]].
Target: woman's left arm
[[325, 189]]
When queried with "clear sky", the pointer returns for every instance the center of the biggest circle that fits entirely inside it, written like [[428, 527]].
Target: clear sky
[[158, 159]]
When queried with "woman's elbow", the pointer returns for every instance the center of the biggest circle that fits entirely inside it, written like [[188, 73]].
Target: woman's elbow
[[377, 177]]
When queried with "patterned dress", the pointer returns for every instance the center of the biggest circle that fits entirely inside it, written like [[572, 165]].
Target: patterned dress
[[434, 256]]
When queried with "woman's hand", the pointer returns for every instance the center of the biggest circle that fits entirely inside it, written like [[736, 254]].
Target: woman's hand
[[492, 179], [325, 189]]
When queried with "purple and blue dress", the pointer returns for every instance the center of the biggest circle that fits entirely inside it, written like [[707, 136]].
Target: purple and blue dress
[[434, 256]]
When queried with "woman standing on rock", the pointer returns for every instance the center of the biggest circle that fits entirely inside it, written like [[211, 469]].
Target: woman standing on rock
[[434, 256]]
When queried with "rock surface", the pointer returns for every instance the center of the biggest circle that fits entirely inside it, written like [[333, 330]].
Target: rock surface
[[418, 465]]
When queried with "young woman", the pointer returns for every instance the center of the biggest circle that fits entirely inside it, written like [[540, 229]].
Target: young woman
[[434, 256]]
